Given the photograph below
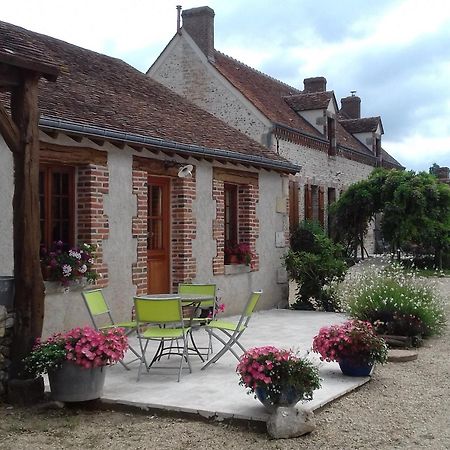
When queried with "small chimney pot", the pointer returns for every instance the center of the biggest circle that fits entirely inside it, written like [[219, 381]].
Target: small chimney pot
[[351, 107], [315, 84]]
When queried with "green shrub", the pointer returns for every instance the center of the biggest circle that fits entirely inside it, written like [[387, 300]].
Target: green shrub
[[313, 261], [394, 301]]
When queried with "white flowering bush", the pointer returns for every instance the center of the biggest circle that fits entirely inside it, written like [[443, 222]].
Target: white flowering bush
[[395, 301], [66, 265]]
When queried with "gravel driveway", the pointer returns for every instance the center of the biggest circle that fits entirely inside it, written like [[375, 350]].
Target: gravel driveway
[[405, 406]]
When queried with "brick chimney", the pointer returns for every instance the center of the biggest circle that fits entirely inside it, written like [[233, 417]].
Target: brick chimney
[[351, 106], [199, 24], [315, 84], [443, 173]]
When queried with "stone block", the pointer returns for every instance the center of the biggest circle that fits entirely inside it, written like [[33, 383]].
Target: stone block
[[290, 422], [402, 355]]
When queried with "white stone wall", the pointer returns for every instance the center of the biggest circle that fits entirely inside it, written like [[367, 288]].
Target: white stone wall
[[6, 209], [328, 171], [233, 289], [319, 168], [65, 310], [186, 71]]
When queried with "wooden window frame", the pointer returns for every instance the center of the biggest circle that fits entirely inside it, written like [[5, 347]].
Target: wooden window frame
[[48, 170], [231, 237], [293, 205], [331, 135], [308, 202]]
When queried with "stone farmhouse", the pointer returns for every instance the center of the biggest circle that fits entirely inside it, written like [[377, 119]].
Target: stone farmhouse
[[334, 146], [115, 149]]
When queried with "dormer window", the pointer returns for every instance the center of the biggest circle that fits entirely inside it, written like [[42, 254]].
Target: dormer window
[[331, 135], [377, 147], [377, 150]]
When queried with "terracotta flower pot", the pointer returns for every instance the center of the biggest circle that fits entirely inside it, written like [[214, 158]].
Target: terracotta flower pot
[[233, 259]]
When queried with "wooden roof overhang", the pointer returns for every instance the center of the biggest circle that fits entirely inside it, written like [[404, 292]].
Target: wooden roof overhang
[[98, 135]]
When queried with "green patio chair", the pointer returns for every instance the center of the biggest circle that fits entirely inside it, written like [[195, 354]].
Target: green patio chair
[[161, 319], [206, 308], [232, 331], [102, 319]]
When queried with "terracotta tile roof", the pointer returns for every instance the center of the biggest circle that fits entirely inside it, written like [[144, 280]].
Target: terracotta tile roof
[[387, 158], [269, 96], [95, 89], [309, 101], [363, 125], [266, 93], [14, 47], [345, 139], [275, 98]]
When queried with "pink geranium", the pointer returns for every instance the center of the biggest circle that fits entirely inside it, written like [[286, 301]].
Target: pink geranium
[[354, 339], [85, 347], [275, 369]]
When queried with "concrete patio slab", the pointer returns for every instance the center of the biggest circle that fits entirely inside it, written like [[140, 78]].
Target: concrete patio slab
[[215, 392]]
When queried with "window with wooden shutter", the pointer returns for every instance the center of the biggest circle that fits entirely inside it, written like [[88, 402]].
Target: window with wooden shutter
[[293, 205], [231, 214], [321, 205], [331, 135], [308, 202], [331, 200]]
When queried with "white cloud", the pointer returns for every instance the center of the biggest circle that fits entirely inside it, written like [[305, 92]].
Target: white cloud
[[420, 152], [136, 30]]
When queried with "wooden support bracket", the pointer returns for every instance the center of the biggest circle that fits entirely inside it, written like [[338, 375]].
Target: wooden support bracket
[[9, 130]]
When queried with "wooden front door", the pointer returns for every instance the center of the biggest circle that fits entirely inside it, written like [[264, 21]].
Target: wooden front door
[[158, 241]]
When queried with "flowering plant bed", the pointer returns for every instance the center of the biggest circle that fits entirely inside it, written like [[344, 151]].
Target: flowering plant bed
[[276, 370], [396, 302], [84, 347], [68, 264], [353, 340]]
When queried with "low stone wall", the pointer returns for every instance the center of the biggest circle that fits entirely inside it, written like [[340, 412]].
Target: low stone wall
[[6, 329]]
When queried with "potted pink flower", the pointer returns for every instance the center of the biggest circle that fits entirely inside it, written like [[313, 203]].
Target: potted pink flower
[[245, 253], [75, 361], [277, 377], [353, 344]]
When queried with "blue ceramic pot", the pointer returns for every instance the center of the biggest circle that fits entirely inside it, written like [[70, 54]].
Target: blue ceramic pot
[[356, 368], [289, 396]]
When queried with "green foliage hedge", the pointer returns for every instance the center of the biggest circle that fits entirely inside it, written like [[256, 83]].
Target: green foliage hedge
[[312, 262]]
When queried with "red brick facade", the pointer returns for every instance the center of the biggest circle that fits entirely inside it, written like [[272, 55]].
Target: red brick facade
[[248, 197], [183, 225], [92, 223], [219, 226], [184, 267], [139, 231]]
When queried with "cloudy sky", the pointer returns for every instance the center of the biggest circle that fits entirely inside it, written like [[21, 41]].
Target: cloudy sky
[[394, 53]]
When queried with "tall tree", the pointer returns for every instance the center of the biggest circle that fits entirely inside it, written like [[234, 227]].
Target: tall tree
[[415, 207]]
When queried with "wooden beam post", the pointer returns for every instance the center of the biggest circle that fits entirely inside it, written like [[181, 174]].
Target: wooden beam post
[[29, 285], [9, 130]]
